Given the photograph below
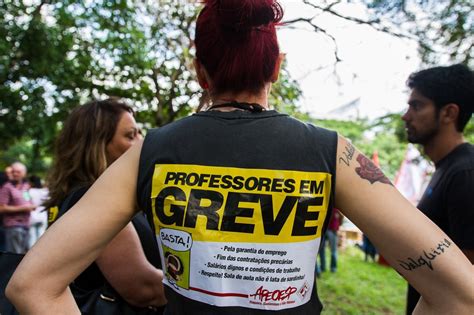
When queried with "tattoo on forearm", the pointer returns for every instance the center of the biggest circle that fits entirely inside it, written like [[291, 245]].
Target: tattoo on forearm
[[426, 259], [348, 154], [369, 171]]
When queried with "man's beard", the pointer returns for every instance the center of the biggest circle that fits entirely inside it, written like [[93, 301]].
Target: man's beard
[[425, 136]]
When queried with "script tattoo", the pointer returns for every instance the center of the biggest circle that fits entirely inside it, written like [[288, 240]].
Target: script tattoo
[[426, 259], [348, 154], [369, 171]]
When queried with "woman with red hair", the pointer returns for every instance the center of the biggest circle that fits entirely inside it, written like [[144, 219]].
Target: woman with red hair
[[240, 196]]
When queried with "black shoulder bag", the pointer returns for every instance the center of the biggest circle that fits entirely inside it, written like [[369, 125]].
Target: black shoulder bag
[[8, 264], [105, 300]]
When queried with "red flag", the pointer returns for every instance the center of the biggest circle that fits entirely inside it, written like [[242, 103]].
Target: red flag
[[412, 175], [375, 158]]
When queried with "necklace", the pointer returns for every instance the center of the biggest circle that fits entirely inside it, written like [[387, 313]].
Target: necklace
[[251, 107]]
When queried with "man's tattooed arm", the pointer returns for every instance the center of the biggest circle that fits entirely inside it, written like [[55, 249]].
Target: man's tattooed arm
[[367, 169], [425, 259]]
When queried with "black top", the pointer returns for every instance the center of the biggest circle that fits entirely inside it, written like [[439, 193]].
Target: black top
[[449, 201], [239, 201]]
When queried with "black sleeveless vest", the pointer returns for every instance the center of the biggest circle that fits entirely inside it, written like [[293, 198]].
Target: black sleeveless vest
[[239, 202]]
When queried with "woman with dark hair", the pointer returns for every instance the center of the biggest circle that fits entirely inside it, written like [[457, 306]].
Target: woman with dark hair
[[93, 137], [241, 194]]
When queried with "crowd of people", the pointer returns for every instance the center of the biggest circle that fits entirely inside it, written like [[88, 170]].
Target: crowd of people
[[225, 211], [331, 237]]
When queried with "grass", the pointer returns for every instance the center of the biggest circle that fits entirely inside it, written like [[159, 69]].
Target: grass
[[361, 288]]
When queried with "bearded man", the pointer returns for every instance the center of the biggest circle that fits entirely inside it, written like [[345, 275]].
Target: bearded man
[[439, 107]]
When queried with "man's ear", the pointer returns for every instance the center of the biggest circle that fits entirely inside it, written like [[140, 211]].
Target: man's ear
[[450, 113], [201, 74], [276, 71]]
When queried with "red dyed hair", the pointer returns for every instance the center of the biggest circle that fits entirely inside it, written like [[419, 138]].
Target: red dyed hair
[[236, 42]]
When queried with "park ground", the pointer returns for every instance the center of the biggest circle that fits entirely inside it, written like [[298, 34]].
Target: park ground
[[361, 288]]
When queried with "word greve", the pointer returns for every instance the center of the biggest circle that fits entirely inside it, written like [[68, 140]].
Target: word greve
[[184, 210]]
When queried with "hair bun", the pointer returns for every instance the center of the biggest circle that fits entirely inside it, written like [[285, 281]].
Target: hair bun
[[243, 15]]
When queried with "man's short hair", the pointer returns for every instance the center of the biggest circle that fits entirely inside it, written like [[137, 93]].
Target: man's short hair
[[445, 85]]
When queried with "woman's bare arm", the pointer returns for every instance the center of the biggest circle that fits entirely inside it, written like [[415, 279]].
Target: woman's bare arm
[[127, 269], [40, 283], [413, 245]]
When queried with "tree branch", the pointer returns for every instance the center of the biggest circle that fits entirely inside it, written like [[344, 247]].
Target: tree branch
[[374, 23], [319, 29]]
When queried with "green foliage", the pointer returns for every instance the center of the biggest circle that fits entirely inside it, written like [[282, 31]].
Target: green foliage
[[469, 131], [443, 28], [385, 135], [285, 93], [34, 91], [352, 130], [360, 287], [55, 55]]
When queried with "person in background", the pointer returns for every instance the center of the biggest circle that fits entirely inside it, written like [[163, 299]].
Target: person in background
[[3, 180], [331, 237], [369, 249], [237, 186], [15, 205], [7, 177], [39, 216], [9, 172], [440, 105]]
